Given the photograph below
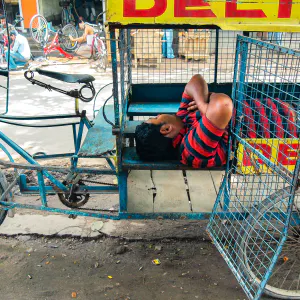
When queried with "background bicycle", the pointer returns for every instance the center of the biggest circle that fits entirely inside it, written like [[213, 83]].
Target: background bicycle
[[97, 42], [67, 16], [40, 32]]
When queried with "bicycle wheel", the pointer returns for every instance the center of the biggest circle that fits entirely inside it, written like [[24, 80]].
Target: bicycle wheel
[[3, 185], [64, 17], [284, 283], [103, 62], [99, 54], [65, 42], [39, 29]]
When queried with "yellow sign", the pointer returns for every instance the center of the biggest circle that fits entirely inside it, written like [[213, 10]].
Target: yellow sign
[[283, 153], [260, 15]]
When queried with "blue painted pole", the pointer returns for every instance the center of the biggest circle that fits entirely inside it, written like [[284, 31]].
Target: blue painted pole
[[42, 188], [122, 178]]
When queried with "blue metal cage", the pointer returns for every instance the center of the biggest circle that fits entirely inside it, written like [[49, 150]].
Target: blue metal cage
[[258, 233]]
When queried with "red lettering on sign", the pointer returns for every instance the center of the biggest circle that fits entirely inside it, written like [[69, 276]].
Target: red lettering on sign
[[287, 154], [181, 11], [231, 11], [285, 8], [158, 9], [264, 149]]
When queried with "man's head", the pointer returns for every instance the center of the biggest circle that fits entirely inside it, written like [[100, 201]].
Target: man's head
[[154, 137], [81, 25], [13, 34]]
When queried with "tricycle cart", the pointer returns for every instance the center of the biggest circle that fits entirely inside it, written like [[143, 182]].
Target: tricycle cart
[[252, 203]]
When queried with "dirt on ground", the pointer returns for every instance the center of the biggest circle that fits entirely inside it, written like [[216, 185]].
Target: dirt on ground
[[37, 268], [151, 267]]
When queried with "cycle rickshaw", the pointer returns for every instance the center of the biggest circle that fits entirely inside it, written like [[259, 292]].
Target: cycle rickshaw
[[254, 219]]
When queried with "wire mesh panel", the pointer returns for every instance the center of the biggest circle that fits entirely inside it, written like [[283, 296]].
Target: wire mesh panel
[[174, 55], [256, 219]]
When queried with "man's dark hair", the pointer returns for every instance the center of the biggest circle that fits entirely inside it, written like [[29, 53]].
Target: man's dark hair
[[13, 32], [151, 145]]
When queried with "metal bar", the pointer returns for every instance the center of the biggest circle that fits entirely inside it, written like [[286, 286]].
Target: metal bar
[[8, 189], [29, 158], [129, 58], [42, 188], [48, 156], [62, 211], [6, 152], [115, 75], [110, 163], [74, 135], [79, 137], [38, 126], [216, 58], [122, 69], [267, 45], [44, 117], [87, 122], [122, 177], [84, 189], [241, 50]]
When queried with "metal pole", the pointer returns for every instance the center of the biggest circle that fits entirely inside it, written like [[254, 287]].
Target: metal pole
[[216, 57]]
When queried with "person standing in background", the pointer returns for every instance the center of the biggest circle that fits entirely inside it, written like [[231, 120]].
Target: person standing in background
[[90, 10], [275, 37], [176, 42], [167, 50]]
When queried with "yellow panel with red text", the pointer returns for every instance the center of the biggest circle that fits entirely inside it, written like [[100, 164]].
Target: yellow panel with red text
[[283, 153], [258, 15]]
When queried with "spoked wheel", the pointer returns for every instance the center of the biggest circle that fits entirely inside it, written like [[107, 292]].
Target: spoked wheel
[[99, 55], [103, 62], [73, 200], [39, 29], [258, 247], [3, 185], [66, 44]]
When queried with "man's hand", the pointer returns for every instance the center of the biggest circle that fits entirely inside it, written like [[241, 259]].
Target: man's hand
[[192, 106], [197, 89], [71, 38]]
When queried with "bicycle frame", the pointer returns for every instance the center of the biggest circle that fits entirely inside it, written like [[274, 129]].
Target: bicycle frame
[[54, 46], [43, 172], [95, 40]]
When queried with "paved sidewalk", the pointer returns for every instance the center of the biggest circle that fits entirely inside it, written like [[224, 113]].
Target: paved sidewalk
[[85, 227]]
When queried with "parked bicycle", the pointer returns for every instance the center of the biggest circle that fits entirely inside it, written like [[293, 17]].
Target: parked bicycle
[[98, 50], [67, 16], [40, 32], [98, 47]]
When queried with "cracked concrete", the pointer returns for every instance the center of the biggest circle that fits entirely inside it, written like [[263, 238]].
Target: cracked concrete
[[84, 227]]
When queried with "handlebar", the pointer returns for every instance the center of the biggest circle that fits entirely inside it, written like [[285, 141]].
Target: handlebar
[[29, 75]]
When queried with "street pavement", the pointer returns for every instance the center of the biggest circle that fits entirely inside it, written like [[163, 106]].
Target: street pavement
[[26, 99]]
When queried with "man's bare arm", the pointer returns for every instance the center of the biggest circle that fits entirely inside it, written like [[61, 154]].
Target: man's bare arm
[[197, 89]]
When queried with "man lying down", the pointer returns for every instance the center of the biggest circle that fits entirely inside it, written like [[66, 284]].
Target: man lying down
[[197, 135]]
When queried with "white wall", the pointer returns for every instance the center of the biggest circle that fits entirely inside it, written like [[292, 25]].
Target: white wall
[[50, 9]]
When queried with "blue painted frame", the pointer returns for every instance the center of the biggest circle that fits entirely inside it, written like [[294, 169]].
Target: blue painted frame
[[117, 170]]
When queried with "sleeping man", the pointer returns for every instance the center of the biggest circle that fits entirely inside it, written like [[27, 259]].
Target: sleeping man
[[197, 135]]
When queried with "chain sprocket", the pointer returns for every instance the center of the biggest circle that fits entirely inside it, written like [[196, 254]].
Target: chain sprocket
[[71, 199]]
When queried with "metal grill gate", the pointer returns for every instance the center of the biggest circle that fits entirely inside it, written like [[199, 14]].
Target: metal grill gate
[[255, 220]]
